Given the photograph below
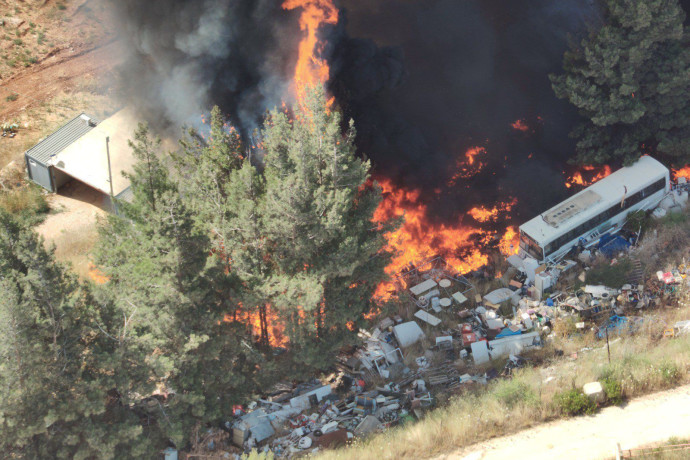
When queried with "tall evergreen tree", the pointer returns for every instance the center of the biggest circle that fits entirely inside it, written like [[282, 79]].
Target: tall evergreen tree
[[630, 79], [55, 398], [328, 254], [226, 191], [163, 277]]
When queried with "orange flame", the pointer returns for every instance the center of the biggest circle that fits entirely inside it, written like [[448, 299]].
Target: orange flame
[[593, 173], [682, 172], [311, 69], [96, 275], [468, 165], [418, 239], [483, 214], [276, 329], [509, 242], [520, 125]]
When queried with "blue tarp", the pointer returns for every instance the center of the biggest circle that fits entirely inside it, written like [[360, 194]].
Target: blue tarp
[[506, 332], [610, 245], [618, 324]]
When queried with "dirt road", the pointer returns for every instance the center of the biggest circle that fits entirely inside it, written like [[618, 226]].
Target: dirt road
[[641, 422]]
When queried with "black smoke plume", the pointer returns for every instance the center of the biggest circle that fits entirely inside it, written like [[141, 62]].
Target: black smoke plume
[[187, 55], [424, 81]]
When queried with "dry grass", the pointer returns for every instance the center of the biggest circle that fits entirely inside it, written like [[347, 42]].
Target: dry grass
[[673, 449], [75, 249], [666, 242], [28, 202], [642, 363]]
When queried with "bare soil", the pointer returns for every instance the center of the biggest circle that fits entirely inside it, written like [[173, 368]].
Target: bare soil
[[71, 226], [72, 51]]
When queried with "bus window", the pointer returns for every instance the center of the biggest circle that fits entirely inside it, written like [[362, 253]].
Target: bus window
[[531, 247]]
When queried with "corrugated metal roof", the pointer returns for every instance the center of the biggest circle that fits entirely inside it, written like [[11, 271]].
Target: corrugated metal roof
[[61, 139], [126, 195]]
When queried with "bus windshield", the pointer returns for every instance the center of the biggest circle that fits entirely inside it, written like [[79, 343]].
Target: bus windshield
[[531, 247]]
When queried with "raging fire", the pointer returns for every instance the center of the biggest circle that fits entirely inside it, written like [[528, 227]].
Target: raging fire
[[462, 247], [588, 176], [275, 330], [311, 69], [682, 172], [509, 242], [483, 214]]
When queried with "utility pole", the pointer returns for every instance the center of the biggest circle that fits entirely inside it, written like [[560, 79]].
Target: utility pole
[[607, 343], [110, 174]]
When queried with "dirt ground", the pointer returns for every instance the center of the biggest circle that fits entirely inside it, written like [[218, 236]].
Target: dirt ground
[[642, 422], [73, 51], [71, 226], [57, 59]]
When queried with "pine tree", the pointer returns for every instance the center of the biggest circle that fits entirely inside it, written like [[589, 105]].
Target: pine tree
[[630, 82], [328, 254], [226, 191], [54, 389], [163, 277]]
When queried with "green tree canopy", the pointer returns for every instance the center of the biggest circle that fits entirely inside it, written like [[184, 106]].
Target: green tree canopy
[[328, 256], [630, 80], [164, 279], [57, 398]]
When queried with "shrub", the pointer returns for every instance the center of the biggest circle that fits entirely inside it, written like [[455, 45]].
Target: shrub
[[564, 327], [18, 41], [573, 402], [610, 275], [639, 220], [513, 392], [613, 390], [27, 202], [12, 97], [669, 372]]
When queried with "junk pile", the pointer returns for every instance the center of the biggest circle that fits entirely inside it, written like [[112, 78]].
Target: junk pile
[[9, 129], [441, 341], [401, 366], [675, 201]]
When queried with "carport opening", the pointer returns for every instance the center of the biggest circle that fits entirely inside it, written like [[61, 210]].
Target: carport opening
[[77, 190]]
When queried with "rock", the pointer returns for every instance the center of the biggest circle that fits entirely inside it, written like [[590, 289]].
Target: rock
[[595, 392]]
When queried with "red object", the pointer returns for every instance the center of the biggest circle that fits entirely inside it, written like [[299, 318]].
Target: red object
[[468, 339], [466, 328], [361, 383], [237, 410]]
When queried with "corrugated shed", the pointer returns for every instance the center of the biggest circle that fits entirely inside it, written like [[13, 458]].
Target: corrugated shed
[[126, 195], [61, 139]]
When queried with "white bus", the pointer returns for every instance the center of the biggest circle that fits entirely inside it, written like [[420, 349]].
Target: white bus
[[601, 208]]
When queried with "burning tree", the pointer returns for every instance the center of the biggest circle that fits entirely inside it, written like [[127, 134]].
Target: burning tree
[[320, 203], [628, 79], [165, 300]]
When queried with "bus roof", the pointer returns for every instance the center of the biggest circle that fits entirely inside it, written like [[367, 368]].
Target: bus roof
[[594, 199]]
